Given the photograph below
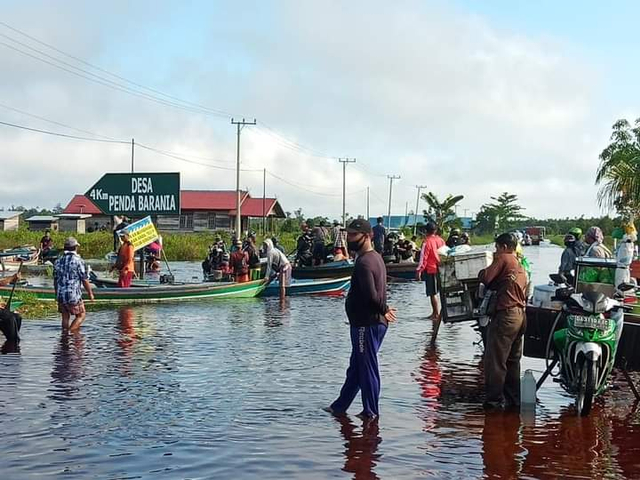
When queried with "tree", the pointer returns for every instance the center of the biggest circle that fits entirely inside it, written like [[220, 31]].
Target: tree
[[57, 209], [618, 174], [442, 212], [506, 211], [485, 221]]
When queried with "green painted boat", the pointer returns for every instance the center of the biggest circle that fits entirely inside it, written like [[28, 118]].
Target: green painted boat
[[156, 294]]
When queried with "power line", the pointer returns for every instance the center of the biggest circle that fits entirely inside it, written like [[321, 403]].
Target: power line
[[75, 137]]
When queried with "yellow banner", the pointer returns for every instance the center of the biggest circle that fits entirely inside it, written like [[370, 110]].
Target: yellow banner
[[142, 233]]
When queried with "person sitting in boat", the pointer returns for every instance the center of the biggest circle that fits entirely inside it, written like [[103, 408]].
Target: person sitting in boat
[[304, 245], [340, 246], [405, 251], [277, 263], [595, 244], [277, 244], [239, 263], [250, 247], [46, 245], [390, 247]]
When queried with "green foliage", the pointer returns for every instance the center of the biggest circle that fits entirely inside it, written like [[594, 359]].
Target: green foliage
[[442, 213], [618, 174], [506, 211]]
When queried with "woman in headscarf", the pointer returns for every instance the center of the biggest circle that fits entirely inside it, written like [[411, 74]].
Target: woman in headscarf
[[277, 262], [595, 244]]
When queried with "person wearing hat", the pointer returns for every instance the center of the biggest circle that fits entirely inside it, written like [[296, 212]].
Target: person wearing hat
[[69, 276], [239, 263], [595, 244], [569, 255], [369, 316], [125, 262]]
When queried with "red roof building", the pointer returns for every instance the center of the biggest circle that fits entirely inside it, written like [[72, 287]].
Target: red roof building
[[200, 210]]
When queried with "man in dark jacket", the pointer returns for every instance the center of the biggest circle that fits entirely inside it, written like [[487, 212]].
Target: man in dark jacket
[[369, 317]]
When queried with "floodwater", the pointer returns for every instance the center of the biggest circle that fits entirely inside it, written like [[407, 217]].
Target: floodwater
[[234, 389]]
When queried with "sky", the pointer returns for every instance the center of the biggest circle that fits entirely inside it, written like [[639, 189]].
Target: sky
[[465, 97]]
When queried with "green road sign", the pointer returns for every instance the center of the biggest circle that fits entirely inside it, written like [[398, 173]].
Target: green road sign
[[137, 194]]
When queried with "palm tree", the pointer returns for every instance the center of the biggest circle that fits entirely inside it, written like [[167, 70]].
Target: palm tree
[[618, 174], [442, 213]]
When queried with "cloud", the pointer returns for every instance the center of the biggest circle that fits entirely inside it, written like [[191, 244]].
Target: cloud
[[420, 89]]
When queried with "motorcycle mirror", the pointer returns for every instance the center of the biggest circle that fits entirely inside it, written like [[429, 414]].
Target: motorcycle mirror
[[563, 293], [626, 286], [558, 278]]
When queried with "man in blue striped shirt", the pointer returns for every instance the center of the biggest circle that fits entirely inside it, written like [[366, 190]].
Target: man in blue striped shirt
[[69, 275]]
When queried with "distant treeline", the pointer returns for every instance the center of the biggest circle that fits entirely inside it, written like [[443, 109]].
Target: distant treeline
[[559, 226]]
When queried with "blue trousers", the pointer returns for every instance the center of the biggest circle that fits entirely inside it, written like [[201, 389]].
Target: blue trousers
[[363, 374]]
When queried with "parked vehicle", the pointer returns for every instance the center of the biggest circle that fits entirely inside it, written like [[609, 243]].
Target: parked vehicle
[[537, 234], [586, 347]]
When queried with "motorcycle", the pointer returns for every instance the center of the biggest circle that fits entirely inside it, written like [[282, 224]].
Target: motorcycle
[[586, 347]]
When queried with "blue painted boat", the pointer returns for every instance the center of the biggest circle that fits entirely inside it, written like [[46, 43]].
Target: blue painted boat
[[319, 286]]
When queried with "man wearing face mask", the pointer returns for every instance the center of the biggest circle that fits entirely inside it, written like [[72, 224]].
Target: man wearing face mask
[[369, 317]]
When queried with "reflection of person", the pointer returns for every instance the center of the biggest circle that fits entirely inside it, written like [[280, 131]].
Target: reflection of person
[[369, 316], [501, 445], [507, 278], [69, 276], [360, 453]]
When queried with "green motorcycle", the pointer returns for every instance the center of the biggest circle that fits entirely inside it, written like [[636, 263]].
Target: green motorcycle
[[586, 347]]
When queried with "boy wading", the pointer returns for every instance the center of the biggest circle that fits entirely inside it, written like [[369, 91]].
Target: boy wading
[[503, 351], [369, 317]]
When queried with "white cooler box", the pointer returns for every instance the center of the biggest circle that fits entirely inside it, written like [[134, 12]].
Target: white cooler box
[[468, 265]]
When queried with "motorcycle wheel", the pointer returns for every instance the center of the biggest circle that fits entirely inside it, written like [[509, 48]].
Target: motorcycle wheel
[[586, 387]]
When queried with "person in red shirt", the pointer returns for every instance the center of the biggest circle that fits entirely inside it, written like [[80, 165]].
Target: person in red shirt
[[239, 263], [428, 266]]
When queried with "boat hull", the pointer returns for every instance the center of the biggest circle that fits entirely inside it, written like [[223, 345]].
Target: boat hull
[[395, 271], [331, 286], [155, 294]]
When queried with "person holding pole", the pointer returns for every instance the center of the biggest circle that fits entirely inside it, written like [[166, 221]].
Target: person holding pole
[[125, 263]]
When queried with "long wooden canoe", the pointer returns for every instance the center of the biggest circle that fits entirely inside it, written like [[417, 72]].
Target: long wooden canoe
[[321, 286], [403, 271], [155, 294]]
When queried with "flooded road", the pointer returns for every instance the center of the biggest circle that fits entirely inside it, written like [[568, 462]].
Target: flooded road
[[234, 389]]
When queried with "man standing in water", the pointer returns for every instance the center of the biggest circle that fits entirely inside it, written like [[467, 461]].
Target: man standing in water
[[369, 317], [428, 266], [379, 234], [69, 275], [503, 351]]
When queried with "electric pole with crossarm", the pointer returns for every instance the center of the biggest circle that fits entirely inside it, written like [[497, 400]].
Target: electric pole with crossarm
[[240, 125], [391, 179], [344, 162]]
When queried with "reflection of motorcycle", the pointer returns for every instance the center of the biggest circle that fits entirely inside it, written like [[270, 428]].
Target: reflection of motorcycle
[[586, 348]]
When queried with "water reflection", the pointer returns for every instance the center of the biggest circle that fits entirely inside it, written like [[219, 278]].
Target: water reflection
[[361, 446], [67, 366], [126, 338], [502, 452], [10, 347]]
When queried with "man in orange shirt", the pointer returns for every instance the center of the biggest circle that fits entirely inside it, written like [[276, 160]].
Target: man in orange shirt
[[428, 266], [125, 263]]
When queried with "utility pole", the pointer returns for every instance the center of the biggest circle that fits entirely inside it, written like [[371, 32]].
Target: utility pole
[[367, 218], [415, 220], [391, 179], [264, 202], [132, 145], [240, 125], [344, 162]]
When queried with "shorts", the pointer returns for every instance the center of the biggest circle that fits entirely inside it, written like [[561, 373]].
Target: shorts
[[72, 308], [430, 283]]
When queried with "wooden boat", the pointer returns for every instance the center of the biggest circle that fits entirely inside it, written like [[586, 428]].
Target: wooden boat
[[344, 268], [11, 259], [321, 286], [154, 294]]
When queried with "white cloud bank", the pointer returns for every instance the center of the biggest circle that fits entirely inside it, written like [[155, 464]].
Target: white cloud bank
[[418, 89]]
